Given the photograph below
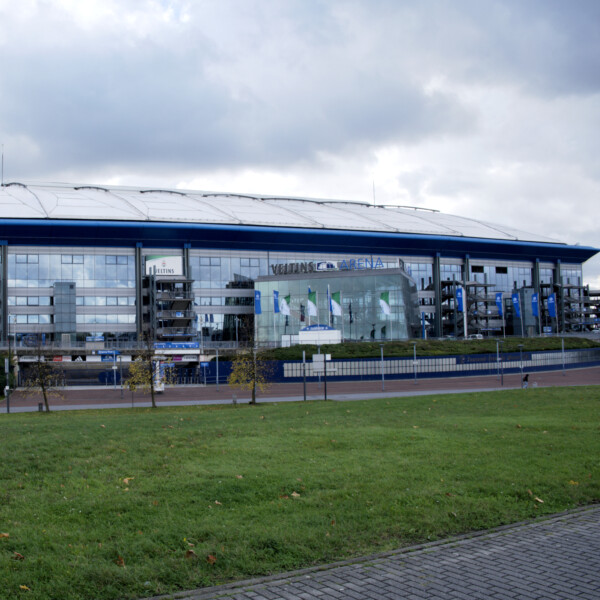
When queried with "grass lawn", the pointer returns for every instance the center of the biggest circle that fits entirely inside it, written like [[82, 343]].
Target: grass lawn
[[134, 503]]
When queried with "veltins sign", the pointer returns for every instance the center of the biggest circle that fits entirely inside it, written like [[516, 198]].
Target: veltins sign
[[164, 265]]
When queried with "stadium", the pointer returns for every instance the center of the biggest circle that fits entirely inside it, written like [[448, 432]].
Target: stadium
[[91, 267]]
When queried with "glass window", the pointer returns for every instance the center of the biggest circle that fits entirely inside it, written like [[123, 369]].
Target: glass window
[[78, 259], [122, 260], [21, 258], [33, 301], [66, 259], [111, 260], [21, 300], [32, 258], [111, 301]]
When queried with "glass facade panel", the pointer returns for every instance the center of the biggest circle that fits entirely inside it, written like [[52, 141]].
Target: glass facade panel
[[362, 318]]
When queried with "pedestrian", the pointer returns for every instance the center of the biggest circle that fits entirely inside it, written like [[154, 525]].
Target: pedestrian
[[525, 384]]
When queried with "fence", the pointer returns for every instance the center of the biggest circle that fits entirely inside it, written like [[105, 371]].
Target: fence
[[425, 366]]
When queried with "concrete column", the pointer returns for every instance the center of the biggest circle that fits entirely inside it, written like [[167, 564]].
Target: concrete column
[[437, 286], [139, 274]]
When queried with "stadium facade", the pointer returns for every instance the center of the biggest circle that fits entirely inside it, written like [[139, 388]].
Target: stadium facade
[[102, 266]]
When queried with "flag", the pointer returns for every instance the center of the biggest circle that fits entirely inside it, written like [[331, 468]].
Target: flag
[[275, 301], [257, 307], [384, 303], [312, 303], [516, 304], [535, 305], [499, 303], [552, 305], [460, 299], [284, 307], [336, 304]]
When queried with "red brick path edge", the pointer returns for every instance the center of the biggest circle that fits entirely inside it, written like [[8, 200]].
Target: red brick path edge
[[349, 390]]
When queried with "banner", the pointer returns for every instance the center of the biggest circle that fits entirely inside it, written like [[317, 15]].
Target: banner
[[499, 304], [275, 301], [384, 303], [552, 305], [336, 304], [284, 307], [257, 307], [312, 303], [460, 299], [516, 304], [535, 305]]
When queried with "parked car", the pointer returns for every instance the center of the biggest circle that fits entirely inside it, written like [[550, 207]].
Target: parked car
[[475, 336]]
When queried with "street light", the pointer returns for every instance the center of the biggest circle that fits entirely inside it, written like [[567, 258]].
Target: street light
[[521, 359], [382, 364], [415, 360], [501, 342]]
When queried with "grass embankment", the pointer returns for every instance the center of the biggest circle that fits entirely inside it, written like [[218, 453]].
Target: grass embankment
[[125, 504], [427, 348]]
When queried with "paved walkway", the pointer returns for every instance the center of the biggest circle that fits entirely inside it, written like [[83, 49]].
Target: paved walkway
[[110, 397], [556, 558]]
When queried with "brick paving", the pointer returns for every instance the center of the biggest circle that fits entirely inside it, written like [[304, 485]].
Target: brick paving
[[109, 397], [555, 558]]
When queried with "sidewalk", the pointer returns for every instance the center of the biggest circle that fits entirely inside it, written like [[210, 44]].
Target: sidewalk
[[110, 397], [556, 558]]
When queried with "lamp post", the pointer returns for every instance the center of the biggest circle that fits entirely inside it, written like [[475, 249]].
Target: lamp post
[[382, 365], [521, 361], [501, 342], [415, 360]]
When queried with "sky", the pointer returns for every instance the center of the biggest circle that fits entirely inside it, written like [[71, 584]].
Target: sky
[[488, 109]]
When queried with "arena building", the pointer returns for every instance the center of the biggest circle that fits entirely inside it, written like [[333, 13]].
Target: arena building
[[93, 267]]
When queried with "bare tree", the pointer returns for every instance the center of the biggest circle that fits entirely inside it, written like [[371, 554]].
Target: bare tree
[[43, 377], [250, 372]]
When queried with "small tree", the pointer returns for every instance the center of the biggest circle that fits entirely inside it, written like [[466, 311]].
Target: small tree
[[141, 376], [43, 377], [144, 372], [250, 372]]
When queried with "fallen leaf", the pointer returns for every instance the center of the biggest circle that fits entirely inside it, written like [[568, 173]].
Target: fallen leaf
[[333, 522], [530, 492], [127, 480], [190, 554], [239, 476], [4, 535], [519, 427], [217, 502], [211, 559], [103, 426], [539, 500], [285, 497], [574, 482], [24, 588], [449, 494], [18, 556], [295, 495], [120, 562]]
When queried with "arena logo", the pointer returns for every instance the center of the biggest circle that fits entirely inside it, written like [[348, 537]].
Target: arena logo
[[351, 264], [164, 265]]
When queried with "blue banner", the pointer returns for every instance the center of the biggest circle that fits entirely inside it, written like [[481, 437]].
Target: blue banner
[[552, 305], [535, 305], [499, 303], [275, 301], [257, 307], [460, 299], [516, 304]]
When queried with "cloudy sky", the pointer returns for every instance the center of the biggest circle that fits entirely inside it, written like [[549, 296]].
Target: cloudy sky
[[482, 108]]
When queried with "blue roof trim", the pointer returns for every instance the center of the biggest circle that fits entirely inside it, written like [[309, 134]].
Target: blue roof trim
[[47, 232]]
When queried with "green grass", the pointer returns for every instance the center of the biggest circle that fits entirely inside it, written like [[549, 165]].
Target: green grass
[[275, 487], [426, 348]]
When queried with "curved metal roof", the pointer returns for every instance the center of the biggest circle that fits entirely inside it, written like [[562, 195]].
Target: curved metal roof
[[104, 203]]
